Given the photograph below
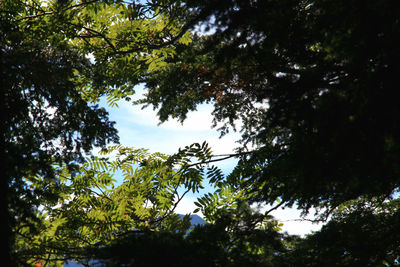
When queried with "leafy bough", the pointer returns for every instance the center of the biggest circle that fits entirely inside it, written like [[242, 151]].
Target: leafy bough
[[93, 208]]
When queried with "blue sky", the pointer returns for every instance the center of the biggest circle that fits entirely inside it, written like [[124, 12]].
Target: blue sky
[[140, 128]]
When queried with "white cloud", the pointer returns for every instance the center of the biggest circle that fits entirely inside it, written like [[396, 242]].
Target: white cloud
[[199, 120], [186, 206], [301, 228], [293, 223], [140, 128]]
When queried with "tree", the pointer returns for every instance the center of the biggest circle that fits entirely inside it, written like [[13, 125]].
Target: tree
[[45, 120], [46, 72], [313, 84], [91, 214], [359, 234], [239, 237]]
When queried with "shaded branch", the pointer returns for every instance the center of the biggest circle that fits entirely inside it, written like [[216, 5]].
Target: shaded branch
[[223, 157], [274, 208], [53, 12]]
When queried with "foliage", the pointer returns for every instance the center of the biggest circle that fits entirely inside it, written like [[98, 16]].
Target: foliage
[[91, 212], [236, 238], [359, 235], [126, 40], [45, 120], [57, 58], [310, 83], [313, 85]]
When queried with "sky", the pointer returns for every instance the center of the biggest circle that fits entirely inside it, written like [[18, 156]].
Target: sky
[[140, 128]]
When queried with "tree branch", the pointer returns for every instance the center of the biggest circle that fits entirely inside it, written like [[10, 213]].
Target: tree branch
[[274, 208], [224, 157], [52, 12]]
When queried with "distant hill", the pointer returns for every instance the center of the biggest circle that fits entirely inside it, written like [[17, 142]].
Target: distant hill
[[195, 219]]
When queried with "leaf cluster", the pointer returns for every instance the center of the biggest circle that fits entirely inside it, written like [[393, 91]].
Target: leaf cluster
[[90, 211]]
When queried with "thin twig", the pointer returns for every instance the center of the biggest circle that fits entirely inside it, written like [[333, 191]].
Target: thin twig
[[102, 36]]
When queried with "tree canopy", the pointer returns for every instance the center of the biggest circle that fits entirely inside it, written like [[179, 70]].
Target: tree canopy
[[52, 54], [45, 120], [311, 86]]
